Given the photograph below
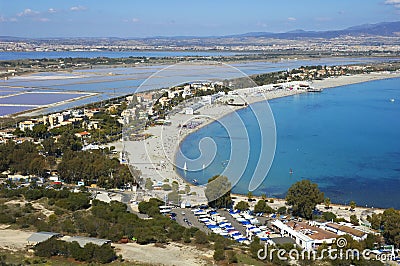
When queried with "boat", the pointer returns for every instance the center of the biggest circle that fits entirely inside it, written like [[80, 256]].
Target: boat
[[392, 100], [195, 181], [291, 171], [184, 167]]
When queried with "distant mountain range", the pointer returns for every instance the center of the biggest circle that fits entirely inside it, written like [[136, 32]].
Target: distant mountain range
[[379, 29], [389, 29]]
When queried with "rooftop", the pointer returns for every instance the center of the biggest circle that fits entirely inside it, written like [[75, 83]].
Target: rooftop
[[347, 229], [313, 232], [41, 236], [82, 241]]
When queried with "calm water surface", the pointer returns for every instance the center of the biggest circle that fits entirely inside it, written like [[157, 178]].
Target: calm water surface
[[345, 139]]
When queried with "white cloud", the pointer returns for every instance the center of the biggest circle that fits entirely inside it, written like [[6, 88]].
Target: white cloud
[[52, 10], [13, 19], [27, 12], [42, 19], [133, 20], [292, 19], [78, 8], [395, 3]]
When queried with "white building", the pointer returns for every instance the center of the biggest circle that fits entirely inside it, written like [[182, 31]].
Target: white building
[[342, 229], [305, 235], [27, 125], [301, 240], [210, 99], [194, 107]]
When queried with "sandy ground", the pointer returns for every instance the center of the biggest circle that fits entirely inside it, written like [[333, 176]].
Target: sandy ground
[[155, 155], [346, 80], [172, 254], [13, 239]]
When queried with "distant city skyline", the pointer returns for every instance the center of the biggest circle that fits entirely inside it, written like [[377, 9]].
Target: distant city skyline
[[118, 18]]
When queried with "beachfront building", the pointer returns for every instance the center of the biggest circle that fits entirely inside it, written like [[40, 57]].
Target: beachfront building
[[210, 99], [164, 101], [28, 124], [306, 236], [342, 229], [193, 108], [6, 135]]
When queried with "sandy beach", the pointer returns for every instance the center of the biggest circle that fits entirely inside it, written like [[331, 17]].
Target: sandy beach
[[155, 155]]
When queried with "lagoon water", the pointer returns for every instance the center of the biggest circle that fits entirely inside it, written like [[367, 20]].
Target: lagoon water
[[346, 139], [110, 54], [126, 80]]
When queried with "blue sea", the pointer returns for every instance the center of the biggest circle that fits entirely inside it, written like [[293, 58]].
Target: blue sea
[[345, 139]]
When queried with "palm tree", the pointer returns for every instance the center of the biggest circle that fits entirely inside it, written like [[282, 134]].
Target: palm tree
[[327, 203], [352, 205], [264, 196]]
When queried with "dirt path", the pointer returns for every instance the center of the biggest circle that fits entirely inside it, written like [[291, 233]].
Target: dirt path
[[172, 254]]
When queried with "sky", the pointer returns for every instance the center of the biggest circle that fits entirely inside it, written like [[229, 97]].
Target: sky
[[148, 18]]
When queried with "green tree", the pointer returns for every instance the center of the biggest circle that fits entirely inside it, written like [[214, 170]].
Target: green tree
[[375, 220], [370, 241], [304, 197], [264, 196], [329, 216], [69, 141], [232, 258], [174, 197], [282, 210], [327, 203], [186, 236], [242, 206], [175, 186], [187, 189], [255, 246], [200, 237], [354, 220], [391, 226], [48, 248], [150, 207], [40, 131], [50, 147], [149, 184], [250, 195], [352, 205], [218, 192], [104, 253], [219, 254], [38, 166], [261, 206], [166, 187]]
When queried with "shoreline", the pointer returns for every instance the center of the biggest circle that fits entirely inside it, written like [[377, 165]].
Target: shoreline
[[164, 163]]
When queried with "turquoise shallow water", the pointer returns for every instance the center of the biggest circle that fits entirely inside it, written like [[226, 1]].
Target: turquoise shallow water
[[346, 139]]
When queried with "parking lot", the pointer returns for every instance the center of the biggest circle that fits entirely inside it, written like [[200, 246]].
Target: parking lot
[[186, 218]]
